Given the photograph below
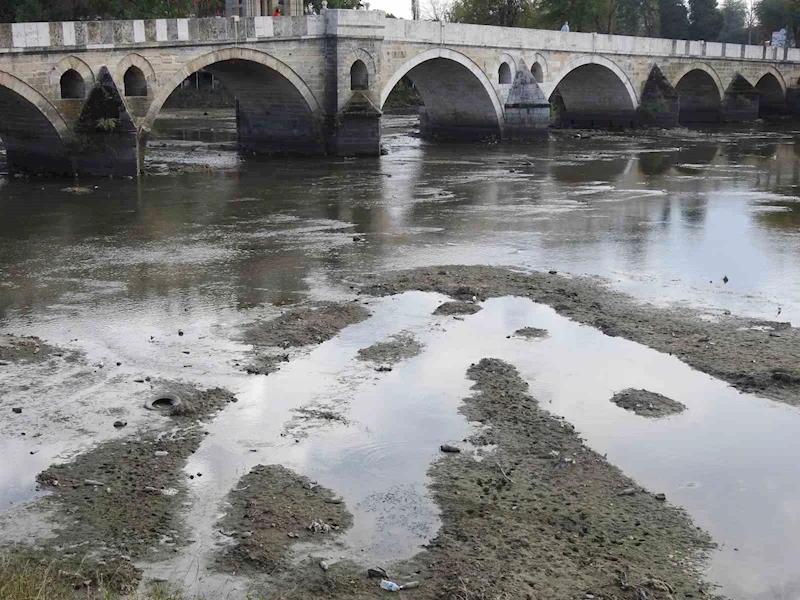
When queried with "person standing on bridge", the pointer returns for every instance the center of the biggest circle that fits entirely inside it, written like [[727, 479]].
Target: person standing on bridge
[[565, 26], [277, 12]]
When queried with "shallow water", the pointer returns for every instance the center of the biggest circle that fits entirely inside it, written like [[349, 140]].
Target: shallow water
[[663, 219]]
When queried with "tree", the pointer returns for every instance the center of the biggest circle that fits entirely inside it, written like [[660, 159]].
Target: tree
[[674, 20], [773, 15], [583, 15], [734, 16], [705, 20], [436, 10], [506, 13], [637, 17]]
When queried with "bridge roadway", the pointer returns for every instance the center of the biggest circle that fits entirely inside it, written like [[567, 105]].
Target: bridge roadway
[[83, 96]]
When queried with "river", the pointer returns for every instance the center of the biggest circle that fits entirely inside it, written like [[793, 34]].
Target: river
[[208, 239]]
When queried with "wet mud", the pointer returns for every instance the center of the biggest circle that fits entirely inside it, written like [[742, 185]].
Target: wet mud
[[647, 404], [538, 516], [752, 355], [25, 348], [398, 348], [457, 308], [296, 328], [270, 509], [123, 500], [531, 333], [541, 516]]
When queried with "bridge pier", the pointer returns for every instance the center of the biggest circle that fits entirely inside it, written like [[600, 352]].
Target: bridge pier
[[527, 111]]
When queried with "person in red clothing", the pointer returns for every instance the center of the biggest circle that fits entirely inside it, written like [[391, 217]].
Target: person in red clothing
[[277, 13]]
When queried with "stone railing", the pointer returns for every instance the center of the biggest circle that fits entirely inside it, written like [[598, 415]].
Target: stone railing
[[33, 37]]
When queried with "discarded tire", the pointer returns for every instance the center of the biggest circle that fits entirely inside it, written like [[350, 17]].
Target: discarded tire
[[165, 403]]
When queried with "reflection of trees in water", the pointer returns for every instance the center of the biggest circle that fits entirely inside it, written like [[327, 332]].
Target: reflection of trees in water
[[698, 155], [741, 149], [786, 217], [657, 163]]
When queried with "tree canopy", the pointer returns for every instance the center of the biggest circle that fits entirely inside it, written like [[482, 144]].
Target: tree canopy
[[705, 20], [74, 10]]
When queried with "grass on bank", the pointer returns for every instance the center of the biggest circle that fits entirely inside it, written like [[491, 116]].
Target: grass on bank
[[27, 577]]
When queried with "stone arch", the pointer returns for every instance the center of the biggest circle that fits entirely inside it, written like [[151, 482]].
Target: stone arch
[[75, 64], [539, 59], [772, 99], [770, 70], [504, 74], [134, 82], [243, 55], [509, 60], [701, 94], [276, 110], [141, 63], [453, 88], [32, 129], [599, 61], [72, 85], [537, 72], [706, 68], [359, 76]]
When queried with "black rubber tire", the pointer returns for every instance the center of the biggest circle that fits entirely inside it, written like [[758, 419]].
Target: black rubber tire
[[164, 403]]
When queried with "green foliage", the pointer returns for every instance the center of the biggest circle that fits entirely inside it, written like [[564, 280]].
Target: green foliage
[[773, 15], [506, 13], [637, 17], [582, 15], [705, 20], [674, 19], [734, 19], [74, 10]]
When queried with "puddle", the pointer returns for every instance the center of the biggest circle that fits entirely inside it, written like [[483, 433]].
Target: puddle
[[728, 459]]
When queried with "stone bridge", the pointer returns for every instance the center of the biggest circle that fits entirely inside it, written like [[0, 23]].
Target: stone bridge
[[81, 97]]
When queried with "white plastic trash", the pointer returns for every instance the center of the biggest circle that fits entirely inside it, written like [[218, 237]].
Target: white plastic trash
[[390, 586]]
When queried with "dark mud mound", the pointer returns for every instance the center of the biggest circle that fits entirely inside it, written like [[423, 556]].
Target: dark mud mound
[[457, 308], [647, 404], [272, 508], [398, 348], [306, 325], [541, 516], [532, 333]]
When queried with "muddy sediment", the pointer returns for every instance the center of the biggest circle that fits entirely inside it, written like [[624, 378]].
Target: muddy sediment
[[122, 500], [541, 516], [457, 307], [532, 333], [15, 348], [296, 328], [647, 404], [752, 355], [398, 348], [272, 508]]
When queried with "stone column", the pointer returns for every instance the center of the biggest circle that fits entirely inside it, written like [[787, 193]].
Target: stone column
[[527, 111]]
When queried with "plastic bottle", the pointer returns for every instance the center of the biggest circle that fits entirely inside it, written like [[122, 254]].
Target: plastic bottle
[[390, 586]]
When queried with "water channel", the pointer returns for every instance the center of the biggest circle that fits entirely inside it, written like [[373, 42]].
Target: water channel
[[211, 239]]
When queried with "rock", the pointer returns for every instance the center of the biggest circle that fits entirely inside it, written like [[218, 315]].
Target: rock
[[323, 565], [383, 369], [449, 448], [138, 380], [180, 331], [627, 492], [161, 453], [318, 526], [92, 482], [149, 489], [119, 364], [377, 573], [553, 272], [661, 497], [17, 409], [725, 279]]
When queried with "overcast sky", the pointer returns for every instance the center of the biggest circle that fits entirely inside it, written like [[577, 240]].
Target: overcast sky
[[399, 8]]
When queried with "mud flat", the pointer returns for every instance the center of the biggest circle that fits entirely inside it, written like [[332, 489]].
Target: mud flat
[[398, 348], [122, 500], [538, 516], [296, 328], [755, 356], [647, 404], [24, 348]]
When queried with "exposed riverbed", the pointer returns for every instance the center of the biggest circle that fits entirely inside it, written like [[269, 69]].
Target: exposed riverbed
[[668, 253]]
